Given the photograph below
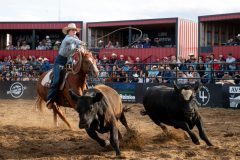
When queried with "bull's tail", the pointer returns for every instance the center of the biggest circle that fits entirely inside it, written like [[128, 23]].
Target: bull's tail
[[39, 104]]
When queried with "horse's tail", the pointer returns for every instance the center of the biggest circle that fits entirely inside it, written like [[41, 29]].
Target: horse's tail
[[39, 105]]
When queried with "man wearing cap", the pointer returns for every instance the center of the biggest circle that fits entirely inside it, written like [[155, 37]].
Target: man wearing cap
[[113, 59], [48, 43], [69, 45]]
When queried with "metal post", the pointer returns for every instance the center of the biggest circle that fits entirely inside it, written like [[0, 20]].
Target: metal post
[[129, 36], [33, 39]]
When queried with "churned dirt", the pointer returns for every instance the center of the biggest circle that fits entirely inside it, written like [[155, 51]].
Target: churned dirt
[[26, 133]]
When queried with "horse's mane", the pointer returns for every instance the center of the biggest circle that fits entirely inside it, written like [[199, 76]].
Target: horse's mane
[[87, 53]]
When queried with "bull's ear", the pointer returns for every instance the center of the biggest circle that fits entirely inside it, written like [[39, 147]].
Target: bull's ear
[[98, 96], [197, 86], [175, 86], [73, 95]]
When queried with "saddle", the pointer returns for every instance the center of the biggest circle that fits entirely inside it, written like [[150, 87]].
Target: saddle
[[47, 79]]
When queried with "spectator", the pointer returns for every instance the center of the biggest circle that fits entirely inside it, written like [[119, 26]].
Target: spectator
[[109, 45], [113, 59], [147, 43], [123, 76], [57, 45], [173, 61], [41, 46], [190, 71], [10, 46], [237, 40], [46, 65], [103, 75], [18, 47], [25, 46], [48, 43], [231, 61], [104, 61], [138, 64], [181, 78], [24, 60], [130, 60], [237, 77], [126, 67], [201, 69], [167, 75], [194, 78], [135, 78], [117, 45], [157, 42], [121, 61]]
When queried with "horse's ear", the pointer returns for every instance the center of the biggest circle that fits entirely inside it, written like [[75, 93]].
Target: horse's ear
[[98, 96], [73, 95]]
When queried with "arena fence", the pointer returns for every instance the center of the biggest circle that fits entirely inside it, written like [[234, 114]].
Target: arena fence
[[210, 95]]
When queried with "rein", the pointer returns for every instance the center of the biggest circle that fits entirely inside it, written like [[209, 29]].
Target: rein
[[79, 63]]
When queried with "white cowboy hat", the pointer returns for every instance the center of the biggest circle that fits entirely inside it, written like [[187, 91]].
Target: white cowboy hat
[[135, 75], [114, 54], [70, 26], [57, 42], [45, 59]]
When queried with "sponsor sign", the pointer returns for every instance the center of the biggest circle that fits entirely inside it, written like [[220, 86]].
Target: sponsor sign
[[16, 90], [234, 96], [125, 90], [203, 96]]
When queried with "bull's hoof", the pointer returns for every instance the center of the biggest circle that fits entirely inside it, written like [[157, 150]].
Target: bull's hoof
[[210, 144], [197, 143]]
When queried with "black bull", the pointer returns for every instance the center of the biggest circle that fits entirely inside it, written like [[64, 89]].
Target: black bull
[[99, 110], [175, 107]]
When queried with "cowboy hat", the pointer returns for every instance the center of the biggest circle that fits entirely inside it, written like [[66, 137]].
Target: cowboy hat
[[70, 26]]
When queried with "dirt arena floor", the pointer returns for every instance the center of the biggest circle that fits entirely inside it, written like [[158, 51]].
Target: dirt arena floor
[[29, 134]]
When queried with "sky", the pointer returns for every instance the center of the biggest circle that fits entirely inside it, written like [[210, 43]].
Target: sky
[[111, 10]]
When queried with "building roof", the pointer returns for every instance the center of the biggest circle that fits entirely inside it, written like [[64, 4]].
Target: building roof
[[220, 17], [38, 25], [132, 22]]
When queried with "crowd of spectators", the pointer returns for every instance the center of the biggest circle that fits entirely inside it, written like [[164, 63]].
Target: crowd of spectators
[[143, 43], [209, 69], [44, 44], [23, 68], [235, 41]]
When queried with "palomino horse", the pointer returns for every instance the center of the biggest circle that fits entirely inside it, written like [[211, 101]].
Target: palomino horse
[[75, 80]]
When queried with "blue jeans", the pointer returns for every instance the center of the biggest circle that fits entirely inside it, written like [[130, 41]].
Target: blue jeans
[[58, 66]]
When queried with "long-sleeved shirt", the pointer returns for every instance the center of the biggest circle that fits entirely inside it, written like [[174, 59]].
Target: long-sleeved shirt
[[68, 46]]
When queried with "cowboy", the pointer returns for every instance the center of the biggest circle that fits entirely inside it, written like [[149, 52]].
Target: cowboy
[[68, 46]]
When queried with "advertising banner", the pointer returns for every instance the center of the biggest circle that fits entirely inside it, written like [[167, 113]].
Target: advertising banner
[[125, 90], [232, 96], [18, 90]]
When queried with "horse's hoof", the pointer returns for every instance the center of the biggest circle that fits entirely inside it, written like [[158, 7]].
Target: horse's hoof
[[107, 143]]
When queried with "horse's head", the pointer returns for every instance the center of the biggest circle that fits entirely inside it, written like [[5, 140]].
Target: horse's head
[[86, 64], [89, 64]]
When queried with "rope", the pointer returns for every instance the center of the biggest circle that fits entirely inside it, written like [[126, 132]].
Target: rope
[[123, 28]]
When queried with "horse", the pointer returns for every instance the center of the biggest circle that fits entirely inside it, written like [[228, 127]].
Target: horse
[[75, 79]]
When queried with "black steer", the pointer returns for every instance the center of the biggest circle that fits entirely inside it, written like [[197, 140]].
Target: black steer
[[99, 110], [175, 107]]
